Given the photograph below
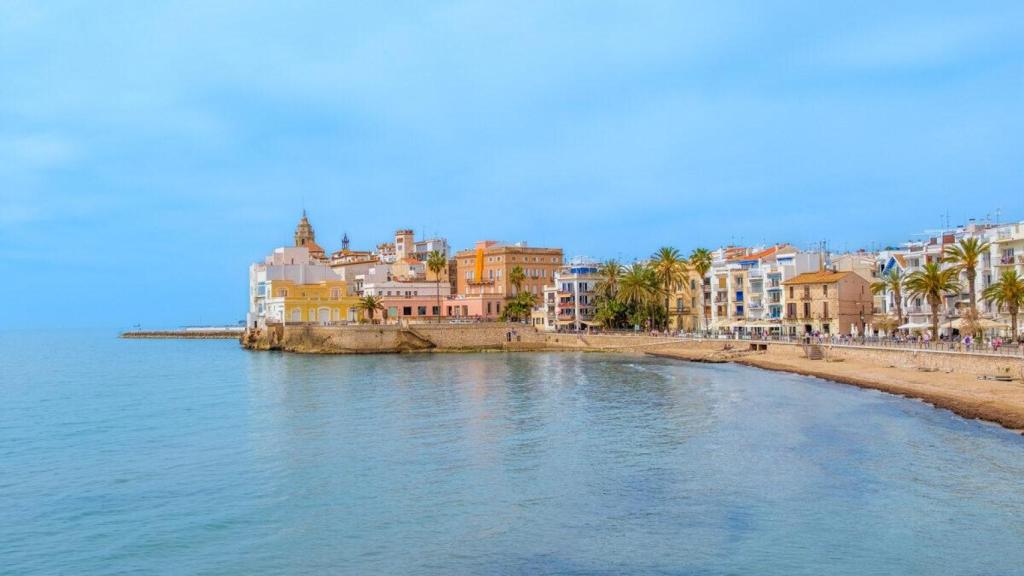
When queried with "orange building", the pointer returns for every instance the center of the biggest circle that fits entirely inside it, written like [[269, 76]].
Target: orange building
[[483, 272]]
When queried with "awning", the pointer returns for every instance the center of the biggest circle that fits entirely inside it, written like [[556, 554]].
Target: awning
[[914, 326], [982, 324]]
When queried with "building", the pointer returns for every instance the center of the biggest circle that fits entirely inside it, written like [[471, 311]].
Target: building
[[482, 276], [746, 287], [292, 286], [412, 297], [827, 302], [305, 237], [685, 310], [568, 303], [405, 247]]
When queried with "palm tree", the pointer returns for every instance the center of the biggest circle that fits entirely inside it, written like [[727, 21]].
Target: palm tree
[[670, 269], [892, 282], [608, 286], [932, 282], [965, 256], [437, 263], [519, 307], [516, 277], [1008, 292], [700, 262], [370, 304], [639, 287]]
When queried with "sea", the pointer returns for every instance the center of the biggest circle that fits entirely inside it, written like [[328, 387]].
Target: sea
[[198, 457]]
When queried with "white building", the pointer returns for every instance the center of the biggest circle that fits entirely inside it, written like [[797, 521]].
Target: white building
[[569, 302], [294, 264], [746, 289]]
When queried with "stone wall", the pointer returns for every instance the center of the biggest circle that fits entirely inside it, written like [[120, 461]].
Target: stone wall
[[367, 339], [364, 339], [973, 364]]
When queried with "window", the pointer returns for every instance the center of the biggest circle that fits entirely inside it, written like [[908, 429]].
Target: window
[[436, 311], [422, 310], [335, 293], [261, 289], [807, 309], [791, 310], [791, 292], [283, 293], [824, 289], [406, 310], [825, 310]]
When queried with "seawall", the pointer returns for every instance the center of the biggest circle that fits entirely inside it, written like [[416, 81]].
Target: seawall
[[188, 334]]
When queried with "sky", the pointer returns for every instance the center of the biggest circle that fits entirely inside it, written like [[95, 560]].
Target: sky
[[150, 151]]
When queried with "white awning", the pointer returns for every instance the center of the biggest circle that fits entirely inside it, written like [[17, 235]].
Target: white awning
[[915, 326]]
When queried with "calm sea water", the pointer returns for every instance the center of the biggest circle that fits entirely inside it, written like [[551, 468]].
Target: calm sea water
[[179, 457]]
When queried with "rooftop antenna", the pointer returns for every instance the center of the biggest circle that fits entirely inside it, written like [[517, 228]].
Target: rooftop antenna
[[998, 212]]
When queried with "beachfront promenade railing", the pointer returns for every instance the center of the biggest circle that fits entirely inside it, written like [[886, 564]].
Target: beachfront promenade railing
[[986, 347]]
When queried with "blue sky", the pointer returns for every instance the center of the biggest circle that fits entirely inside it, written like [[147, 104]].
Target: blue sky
[[149, 151]]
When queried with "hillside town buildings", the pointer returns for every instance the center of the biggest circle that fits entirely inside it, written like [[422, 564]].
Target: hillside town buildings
[[757, 291]]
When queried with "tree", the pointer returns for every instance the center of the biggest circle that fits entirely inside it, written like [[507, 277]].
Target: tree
[[892, 282], [670, 270], [608, 286], [700, 262], [608, 310], [965, 256], [932, 282], [437, 263], [639, 289], [369, 305], [519, 307], [1008, 292], [516, 277]]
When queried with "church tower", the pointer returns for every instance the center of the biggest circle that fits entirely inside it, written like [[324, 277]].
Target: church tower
[[304, 234]]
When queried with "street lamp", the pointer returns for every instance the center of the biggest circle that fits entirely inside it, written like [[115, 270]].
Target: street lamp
[[862, 334]]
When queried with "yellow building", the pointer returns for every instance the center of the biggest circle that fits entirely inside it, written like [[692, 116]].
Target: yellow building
[[322, 302], [684, 310]]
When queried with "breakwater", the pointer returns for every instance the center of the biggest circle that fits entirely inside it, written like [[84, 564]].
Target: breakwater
[[186, 333]]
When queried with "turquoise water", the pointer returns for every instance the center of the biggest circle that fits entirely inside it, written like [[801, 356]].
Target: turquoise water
[[179, 457]]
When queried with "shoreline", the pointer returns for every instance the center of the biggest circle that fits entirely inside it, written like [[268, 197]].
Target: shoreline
[[974, 386], [998, 402]]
